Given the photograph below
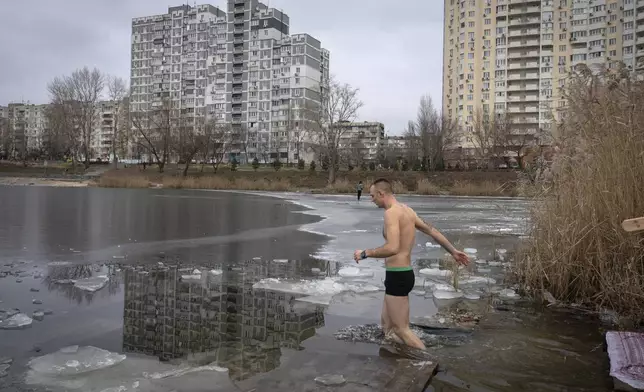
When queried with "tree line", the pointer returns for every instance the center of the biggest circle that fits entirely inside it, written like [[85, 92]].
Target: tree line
[[167, 131]]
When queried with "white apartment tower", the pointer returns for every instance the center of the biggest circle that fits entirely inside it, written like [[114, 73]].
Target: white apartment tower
[[240, 66], [513, 56]]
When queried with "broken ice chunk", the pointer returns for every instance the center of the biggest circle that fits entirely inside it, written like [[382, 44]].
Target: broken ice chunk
[[442, 287], [36, 302], [471, 251], [68, 362], [92, 284], [435, 272], [215, 272], [476, 280], [430, 245], [331, 379], [508, 293], [38, 315], [440, 294], [353, 272], [16, 321], [282, 261], [315, 270]]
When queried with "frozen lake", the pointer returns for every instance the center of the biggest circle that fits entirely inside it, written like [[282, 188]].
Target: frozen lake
[[225, 286]]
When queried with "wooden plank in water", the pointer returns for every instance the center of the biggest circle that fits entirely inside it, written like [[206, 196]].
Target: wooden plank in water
[[634, 224], [363, 373]]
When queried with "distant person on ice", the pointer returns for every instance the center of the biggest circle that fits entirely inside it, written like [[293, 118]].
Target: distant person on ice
[[401, 223], [359, 188]]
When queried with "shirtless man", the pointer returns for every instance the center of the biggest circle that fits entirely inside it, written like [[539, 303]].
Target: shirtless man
[[401, 223]]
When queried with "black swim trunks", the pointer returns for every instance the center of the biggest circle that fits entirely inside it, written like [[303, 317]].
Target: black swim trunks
[[399, 281]]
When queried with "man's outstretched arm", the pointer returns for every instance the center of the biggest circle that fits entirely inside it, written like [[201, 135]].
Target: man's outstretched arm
[[392, 246]]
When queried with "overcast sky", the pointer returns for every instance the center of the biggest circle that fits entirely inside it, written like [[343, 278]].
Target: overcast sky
[[393, 54]]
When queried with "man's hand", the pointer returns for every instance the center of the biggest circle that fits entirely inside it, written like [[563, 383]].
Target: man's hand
[[357, 255], [461, 257]]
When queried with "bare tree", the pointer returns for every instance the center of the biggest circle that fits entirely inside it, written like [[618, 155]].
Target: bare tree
[[87, 87], [197, 140], [432, 133], [488, 134], [220, 142], [155, 130], [64, 118], [263, 148], [341, 105], [116, 92]]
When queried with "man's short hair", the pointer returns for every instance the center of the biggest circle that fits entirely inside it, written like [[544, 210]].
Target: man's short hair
[[383, 185]]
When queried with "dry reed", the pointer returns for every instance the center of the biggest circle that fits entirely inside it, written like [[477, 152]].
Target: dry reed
[[577, 249], [426, 187], [486, 188]]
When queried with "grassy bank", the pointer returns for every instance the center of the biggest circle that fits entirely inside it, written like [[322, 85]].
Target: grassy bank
[[577, 249], [497, 183]]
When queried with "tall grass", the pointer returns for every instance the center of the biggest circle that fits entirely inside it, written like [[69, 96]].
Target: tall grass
[[577, 249], [423, 186]]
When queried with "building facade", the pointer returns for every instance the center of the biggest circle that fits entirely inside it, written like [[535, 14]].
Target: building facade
[[110, 115], [27, 124], [240, 67], [512, 57], [362, 141]]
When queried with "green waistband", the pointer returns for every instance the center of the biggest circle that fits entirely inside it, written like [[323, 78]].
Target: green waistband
[[396, 269]]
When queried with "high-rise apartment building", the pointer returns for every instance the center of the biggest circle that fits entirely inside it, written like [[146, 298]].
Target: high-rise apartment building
[[240, 66], [512, 56]]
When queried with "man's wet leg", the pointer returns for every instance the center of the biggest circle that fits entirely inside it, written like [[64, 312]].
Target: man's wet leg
[[398, 313]]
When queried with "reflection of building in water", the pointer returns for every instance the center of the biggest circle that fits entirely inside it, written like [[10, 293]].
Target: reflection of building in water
[[221, 317]]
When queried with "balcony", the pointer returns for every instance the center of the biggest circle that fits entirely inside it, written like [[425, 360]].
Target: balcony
[[524, 10], [524, 32], [526, 2], [520, 54], [237, 90], [518, 43], [524, 65], [524, 21], [525, 120], [237, 100], [523, 98], [523, 87], [523, 76], [239, 10], [238, 70], [513, 109], [238, 30]]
